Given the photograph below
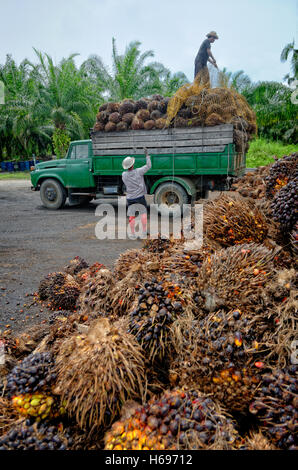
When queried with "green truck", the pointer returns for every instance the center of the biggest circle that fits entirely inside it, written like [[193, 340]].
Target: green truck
[[185, 164]]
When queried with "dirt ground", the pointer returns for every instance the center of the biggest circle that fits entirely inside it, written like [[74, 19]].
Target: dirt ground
[[35, 241]]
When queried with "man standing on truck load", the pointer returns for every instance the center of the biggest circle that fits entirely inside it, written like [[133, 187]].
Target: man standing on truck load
[[135, 191], [205, 55]]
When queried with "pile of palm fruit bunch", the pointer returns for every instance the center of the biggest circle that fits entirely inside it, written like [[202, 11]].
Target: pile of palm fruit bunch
[[281, 173], [199, 107], [178, 419], [145, 113], [252, 184]]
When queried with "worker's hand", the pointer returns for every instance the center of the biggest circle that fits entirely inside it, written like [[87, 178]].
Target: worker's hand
[[146, 152]]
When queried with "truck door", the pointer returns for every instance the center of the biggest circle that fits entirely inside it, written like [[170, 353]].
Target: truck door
[[79, 165]]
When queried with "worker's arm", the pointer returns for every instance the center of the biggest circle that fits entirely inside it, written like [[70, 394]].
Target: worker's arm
[[146, 167], [211, 58]]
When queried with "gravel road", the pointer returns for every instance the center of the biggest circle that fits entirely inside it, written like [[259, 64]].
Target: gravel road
[[36, 241]]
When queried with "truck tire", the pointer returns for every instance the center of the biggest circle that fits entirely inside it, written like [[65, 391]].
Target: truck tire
[[169, 194], [52, 194]]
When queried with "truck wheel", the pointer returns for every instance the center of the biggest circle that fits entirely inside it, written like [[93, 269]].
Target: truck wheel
[[52, 194], [169, 194]]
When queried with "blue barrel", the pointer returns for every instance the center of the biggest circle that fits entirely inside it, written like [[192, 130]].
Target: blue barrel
[[31, 163], [21, 166], [27, 165], [3, 166], [9, 166]]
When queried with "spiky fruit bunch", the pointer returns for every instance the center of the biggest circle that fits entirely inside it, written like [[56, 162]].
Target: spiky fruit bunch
[[115, 117], [234, 276], [103, 117], [148, 125], [281, 172], [121, 126], [234, 221], [128, 118], [103, 107], [94, 299], [48, 283], [110, 127], [34, 373], [157, 97], [76, 265], [137, 124], [98, 371], [141, 104], [126, 107], [158, 305], [135, 261], [65, 296], [38, 405], [160, 123], [113, 108], [7, 416], [156, 114], [98, 127], [153, 105], [143, 114], [185, 113], [163, 104], [177, 420], [285, 206], [37, 436], [276, 406]]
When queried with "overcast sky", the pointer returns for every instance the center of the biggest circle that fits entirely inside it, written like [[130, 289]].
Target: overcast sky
[[252, 32]]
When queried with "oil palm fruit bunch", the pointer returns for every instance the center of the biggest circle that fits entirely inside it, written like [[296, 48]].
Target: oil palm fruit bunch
[[177, 420], [45, 286], [75, 266], [234, 276], [160, 244], [281, 172], [37, 436], [134, 260], [276, 406], [65, 296], [234, 221], [140, 104], [33, 374], [95, 297], [285, 206], [126, 107], [98, 371], [155, 310], [220, 355], [38, 405]]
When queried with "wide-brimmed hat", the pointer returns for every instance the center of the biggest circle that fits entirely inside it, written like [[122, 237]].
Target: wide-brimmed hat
[[212, 33], [128, 162]]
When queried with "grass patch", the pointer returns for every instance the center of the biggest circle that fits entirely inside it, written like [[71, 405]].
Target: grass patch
[[15, 175], [261, 152]]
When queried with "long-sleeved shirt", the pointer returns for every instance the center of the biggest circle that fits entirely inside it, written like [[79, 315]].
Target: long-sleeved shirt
[[134, 180]]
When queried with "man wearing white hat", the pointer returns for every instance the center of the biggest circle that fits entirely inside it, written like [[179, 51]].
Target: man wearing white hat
[[205, 55], [136, 189]]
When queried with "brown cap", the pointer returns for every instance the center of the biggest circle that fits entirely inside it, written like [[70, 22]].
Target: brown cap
[[212, 33]]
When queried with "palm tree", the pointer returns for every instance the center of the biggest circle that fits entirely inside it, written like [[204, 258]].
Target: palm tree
[[285, 54], [131, 77], [238, 81]]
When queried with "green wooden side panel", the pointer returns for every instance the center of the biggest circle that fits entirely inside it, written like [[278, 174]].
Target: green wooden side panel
[[182, 164]]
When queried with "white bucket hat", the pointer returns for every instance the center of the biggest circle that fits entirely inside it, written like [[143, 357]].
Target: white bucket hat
[[128, 162]]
